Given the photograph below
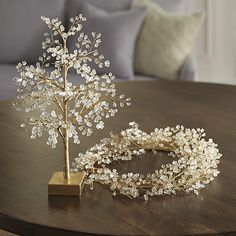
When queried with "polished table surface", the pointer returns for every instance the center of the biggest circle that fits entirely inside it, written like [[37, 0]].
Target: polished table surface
[[26, 166]]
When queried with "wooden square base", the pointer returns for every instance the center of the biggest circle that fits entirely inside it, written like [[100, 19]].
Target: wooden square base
[[59, 186]]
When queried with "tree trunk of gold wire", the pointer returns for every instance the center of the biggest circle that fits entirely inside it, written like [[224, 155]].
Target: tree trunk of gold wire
[[66, 136], [66, 157]]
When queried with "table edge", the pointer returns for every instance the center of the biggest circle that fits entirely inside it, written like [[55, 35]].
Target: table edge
[[18, 226]]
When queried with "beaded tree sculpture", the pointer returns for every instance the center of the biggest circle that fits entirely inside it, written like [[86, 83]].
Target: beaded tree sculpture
[[79, 107]]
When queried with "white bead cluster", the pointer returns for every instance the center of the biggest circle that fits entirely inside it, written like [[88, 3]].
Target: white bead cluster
[[79, 108], [194, 165]]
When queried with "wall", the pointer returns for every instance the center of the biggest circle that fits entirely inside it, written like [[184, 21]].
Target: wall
[[215, 48]]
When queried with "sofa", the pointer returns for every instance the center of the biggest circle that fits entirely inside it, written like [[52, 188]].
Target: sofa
[[21, 34]]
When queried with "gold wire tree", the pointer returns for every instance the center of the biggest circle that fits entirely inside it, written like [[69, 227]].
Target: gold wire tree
[[79, 106]]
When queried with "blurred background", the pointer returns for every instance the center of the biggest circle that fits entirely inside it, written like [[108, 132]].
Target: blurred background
[[215, 48], [214, 51]]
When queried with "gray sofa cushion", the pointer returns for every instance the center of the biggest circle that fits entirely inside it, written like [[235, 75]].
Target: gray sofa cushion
[[7, 85], [74, 6], [8, 72], [119, 31], [22, 29], [76, 79], [176, 6]]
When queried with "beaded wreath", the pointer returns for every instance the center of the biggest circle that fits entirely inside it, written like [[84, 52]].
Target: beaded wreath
[[194, 165]]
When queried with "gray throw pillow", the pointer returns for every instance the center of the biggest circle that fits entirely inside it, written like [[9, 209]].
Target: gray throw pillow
[[22, 29], [74, 6], [175, 6], [119, 31]]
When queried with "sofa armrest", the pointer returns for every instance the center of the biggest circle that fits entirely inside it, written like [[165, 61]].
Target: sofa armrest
[[188, 71]]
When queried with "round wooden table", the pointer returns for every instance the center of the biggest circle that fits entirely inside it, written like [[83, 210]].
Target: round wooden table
[[26, 166]]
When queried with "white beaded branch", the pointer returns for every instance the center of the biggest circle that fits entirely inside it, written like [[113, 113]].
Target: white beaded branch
[[78, 108], [195, 167]]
